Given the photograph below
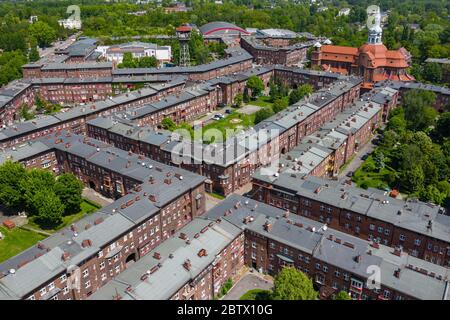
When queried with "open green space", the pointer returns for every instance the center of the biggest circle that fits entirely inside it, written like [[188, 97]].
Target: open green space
[[16, 241], [262, 101], [87, 207], [367, 176], [235, 121]]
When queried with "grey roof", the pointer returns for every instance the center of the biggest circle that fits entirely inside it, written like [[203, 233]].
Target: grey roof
[[414, 85], [410, 215], [171, 275], [77, 66], [297, 232], [118, 218]]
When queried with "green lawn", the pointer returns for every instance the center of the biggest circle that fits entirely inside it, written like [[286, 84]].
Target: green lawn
[[262, 101], [367, 177], [87, 207], [228, 123], [216, 195], [16, 241], [256, 294]]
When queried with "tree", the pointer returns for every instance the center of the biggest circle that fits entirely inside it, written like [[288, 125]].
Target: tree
[[128, 61], [34, 182], [419, 112], [68, 189], [299, 93], [263, 114], [238, 99], [432, 72], [291, 284], [33, 55], [49, 209], [432, 194], [147, 62], [342, 295], [256, 85], [168, 124], [279, 105], [442, 128], [11, 173], [412, 179], [43, 33], [245, 97]]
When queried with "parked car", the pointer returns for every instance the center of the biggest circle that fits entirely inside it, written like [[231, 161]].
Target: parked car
[[364, 157], [228, 111], [222, 105], [349, 174]]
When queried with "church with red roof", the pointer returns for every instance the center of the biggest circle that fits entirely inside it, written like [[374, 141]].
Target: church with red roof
[[372, 61]]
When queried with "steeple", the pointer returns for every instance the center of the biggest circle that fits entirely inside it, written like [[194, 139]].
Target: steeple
[[374, 25]]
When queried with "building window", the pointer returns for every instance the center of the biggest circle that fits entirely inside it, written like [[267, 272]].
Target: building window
[[417, 242], [318, 266], [65, 290], [386, 294], [346, 277], [402, 237], [337, 273], [372, 227], [63, 278], [85, 273], [43, 291], [380, 229], [87, 284]]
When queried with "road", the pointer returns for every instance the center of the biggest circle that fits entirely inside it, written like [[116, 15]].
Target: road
[[57, 45], [357, 161]]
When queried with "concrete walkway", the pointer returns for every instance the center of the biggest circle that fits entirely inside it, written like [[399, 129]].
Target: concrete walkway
[[93, 195], [248, 282], [357, 161]]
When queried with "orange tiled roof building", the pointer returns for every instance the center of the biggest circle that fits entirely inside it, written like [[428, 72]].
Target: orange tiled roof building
[[372, 61]]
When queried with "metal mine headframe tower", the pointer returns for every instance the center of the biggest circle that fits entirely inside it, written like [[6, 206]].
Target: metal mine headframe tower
[[183, 34]]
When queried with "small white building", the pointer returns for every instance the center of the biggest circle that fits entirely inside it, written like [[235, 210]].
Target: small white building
[[115, 53], [344, 12], [33, 19], [70, 23]]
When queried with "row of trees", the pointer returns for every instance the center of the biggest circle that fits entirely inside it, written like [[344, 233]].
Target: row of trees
[[281, 97], [144, 62], [38, 192], [416, 145]]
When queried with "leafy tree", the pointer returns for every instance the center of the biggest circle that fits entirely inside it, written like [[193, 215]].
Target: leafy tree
[[419, 112], [43, 33], [128, 61], [442, 129], [256, 85], [412, 179], [238, 99], [342, 295], [168, 124], [432, 194], [263, 114], [147, 62], [11, 173], [432, 72], [49, 209], [279, 105], [246, 97], [25, 113], [291, 284], [35, 181], [33, 55], [68, 189]]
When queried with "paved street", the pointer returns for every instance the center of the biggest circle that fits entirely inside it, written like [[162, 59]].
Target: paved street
[[58, 45], [248, 282], [211, 202], [357, 161]]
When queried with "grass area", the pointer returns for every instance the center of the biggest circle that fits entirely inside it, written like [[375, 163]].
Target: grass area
[[16, 241], [216, 195], [368, 177], [256, 294], [87, 207], [262, 101], [229, 123]]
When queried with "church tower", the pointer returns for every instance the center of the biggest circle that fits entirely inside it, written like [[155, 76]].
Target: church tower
[[374, 25]]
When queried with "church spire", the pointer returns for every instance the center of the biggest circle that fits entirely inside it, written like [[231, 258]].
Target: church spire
[[374, 25]]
